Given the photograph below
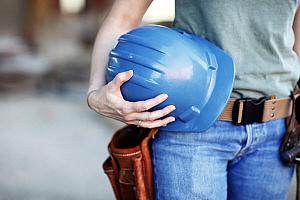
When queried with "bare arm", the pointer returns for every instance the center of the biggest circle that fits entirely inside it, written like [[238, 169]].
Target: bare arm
[[296, 27], [107, 99], [124, 16]]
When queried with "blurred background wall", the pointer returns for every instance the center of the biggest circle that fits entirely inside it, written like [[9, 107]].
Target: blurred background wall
[[51, 145]]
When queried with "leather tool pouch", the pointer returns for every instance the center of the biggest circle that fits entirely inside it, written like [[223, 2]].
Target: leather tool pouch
[[129, 167], [290, 146]]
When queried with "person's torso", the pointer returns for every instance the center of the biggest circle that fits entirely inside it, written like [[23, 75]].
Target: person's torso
[[258, 34]]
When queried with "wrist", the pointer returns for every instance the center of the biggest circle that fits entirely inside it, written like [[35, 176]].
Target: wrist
[[88, 97], [92, 88]]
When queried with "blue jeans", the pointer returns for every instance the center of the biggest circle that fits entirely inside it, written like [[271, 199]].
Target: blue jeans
[[225, 162]]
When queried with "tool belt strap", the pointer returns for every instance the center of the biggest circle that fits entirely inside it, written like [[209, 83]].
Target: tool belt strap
[[244, 111]]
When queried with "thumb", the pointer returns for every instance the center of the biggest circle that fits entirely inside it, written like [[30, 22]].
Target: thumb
[[122, 78]]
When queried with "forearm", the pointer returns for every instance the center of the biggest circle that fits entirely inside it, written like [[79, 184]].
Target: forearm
[[296, 27], [124, 16], [105, 41]]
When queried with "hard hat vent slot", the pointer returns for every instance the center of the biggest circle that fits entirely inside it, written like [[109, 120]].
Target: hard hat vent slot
[[212, 67], [189, 114]]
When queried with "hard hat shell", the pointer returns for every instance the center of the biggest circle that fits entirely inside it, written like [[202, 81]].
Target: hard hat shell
[[197, 75]]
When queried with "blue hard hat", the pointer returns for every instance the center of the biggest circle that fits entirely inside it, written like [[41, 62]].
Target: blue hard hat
[[197, 75]]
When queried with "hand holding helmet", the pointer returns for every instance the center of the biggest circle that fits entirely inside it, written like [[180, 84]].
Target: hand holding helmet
[[108, 101]]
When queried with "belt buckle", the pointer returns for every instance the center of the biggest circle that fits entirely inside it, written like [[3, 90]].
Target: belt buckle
[[248, 110]]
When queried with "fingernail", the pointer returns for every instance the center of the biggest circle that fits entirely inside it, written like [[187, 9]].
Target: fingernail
[[164, 96], [172, 119], [130, 72], [172, 107]]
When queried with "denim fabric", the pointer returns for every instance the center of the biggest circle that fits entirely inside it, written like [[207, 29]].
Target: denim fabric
[[225, 162]]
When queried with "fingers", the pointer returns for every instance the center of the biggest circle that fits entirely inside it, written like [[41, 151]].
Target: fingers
[[150, 116], [121, 78], [134, 112], [154, 124], [141, 106], [151, 119]]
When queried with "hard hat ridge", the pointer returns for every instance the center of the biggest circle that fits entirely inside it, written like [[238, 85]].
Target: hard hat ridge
[[196, 75]]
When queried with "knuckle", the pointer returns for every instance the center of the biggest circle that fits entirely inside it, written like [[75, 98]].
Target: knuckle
[[124, 109], [120, 77], [117, 78], [150, 126], [161, 123], [127, 118], [149, 116], [157, 100], [165, 122], [155, 115], [164, 112], [146, 106], [129, 122], [136, 106], [140, 107], [141, 124], [118, 107]]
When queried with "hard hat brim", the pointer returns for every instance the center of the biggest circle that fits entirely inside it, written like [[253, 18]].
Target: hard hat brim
[[219, 97]]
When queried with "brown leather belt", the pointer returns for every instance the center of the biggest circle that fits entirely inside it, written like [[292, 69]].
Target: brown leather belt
[[245, 111]]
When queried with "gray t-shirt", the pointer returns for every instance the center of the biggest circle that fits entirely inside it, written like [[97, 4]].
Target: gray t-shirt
[[258, 34]]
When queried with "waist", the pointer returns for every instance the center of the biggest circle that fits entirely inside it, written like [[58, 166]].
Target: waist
[[247, 110]]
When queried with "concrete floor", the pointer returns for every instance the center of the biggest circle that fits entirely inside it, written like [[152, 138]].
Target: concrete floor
[[52, 147]]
